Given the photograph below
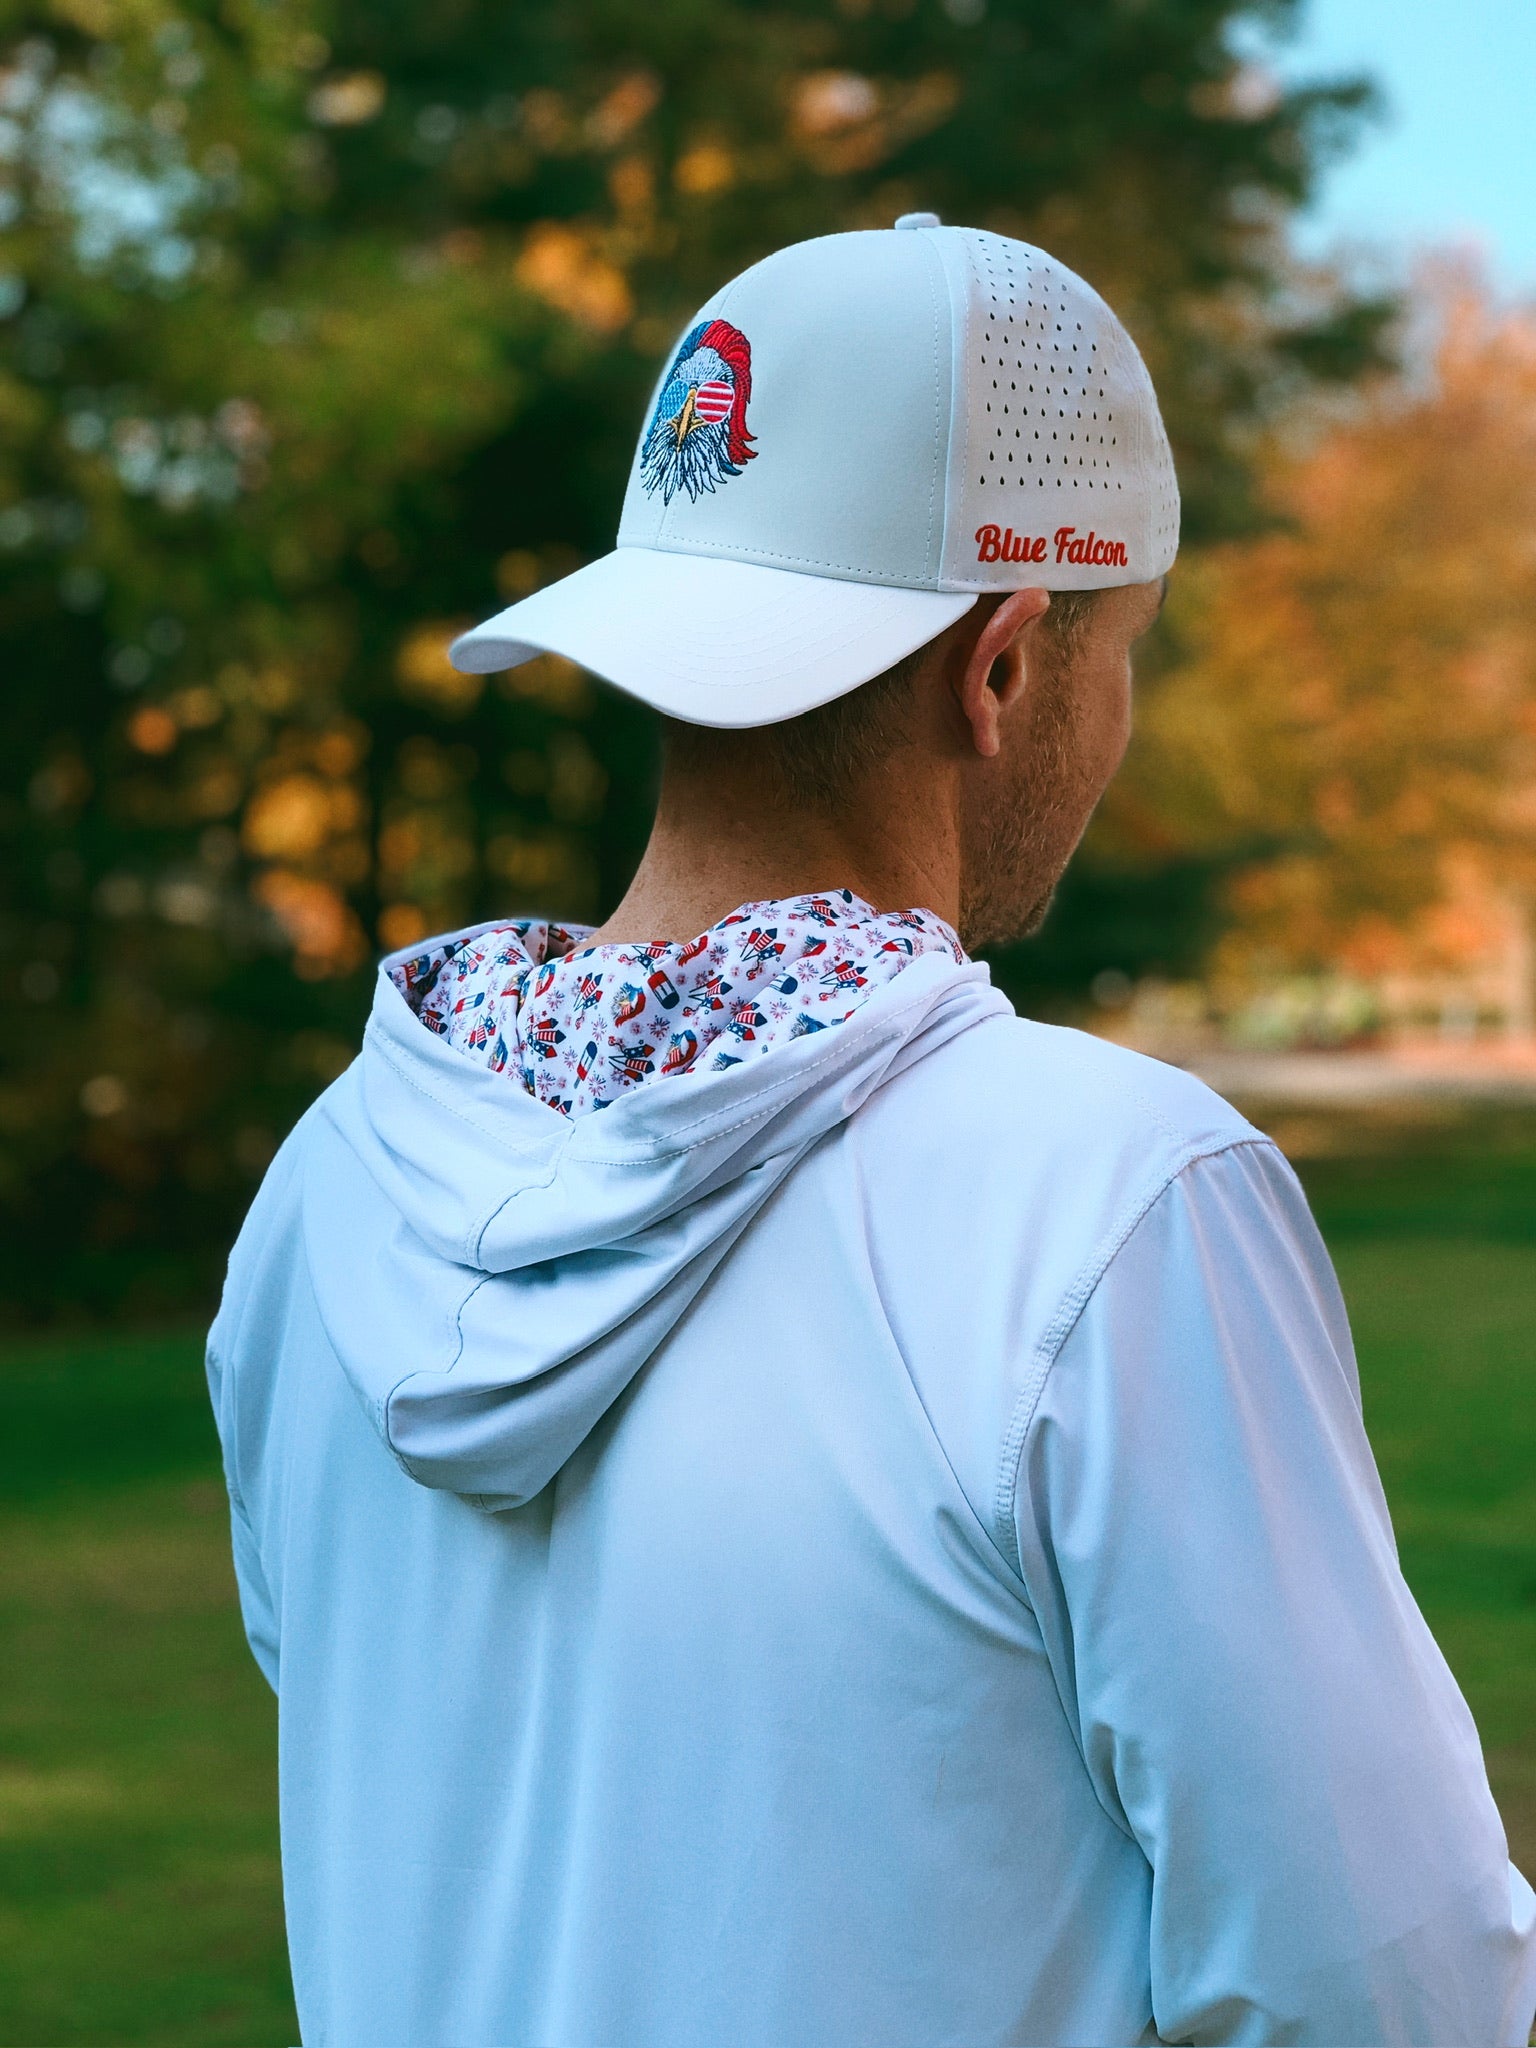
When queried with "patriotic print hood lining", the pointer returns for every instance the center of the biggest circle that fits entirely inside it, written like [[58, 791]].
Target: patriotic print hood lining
[[580, 1026]]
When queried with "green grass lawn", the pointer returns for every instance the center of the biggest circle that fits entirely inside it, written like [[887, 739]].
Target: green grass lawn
[[1437, 1258], [139, 1889], [139, 1892]]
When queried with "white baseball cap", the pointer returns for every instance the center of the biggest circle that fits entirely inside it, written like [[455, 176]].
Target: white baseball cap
[[854, 439]]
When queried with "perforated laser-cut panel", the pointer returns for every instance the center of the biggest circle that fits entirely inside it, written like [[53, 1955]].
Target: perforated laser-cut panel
[[1063, 451]]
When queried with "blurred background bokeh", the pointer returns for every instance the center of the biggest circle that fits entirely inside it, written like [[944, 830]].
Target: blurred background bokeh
[[326, 328]]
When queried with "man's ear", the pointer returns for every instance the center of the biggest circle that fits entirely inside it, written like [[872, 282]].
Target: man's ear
[[996, 672]]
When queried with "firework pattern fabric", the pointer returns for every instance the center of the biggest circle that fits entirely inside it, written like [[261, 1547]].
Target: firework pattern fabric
[[577, 1026]]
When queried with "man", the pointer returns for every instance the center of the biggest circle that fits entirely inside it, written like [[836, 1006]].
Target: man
[[783, 1504]]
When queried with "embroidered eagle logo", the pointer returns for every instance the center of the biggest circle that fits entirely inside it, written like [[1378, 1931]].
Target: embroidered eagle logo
[[698, 433]]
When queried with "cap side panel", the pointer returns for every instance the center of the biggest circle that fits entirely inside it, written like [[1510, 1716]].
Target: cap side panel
[[783, 558], [845, 418]]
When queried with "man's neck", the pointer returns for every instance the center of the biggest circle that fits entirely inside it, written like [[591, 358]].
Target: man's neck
[[717, 843]]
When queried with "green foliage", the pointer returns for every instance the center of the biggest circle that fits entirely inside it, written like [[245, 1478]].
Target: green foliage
[[1115, 920], [324, 325]]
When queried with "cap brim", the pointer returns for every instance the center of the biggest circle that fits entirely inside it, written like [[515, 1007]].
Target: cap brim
[[712, 641]]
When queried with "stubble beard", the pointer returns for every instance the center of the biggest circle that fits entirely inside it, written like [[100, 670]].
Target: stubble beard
[[1018, 846]]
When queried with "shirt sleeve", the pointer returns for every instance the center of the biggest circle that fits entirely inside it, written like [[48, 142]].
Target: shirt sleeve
[[1259, 1704]]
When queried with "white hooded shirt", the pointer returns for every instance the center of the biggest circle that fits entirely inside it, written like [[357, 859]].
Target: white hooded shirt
[[874, 1545]]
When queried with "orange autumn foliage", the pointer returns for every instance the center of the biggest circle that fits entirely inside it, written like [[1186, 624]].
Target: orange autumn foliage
[[1351, 712]]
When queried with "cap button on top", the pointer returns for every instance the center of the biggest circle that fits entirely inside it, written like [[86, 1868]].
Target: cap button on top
[[919, 220]]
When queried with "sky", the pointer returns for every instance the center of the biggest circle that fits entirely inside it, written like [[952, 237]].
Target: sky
[[1454, 158]]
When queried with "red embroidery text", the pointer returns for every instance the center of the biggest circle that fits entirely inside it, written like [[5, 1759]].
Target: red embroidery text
[[994, 545]]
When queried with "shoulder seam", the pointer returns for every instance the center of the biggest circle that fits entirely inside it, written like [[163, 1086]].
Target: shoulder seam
[[1072, 1304]]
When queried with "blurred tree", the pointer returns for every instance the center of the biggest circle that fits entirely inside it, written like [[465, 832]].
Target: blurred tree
[[323, 325], [1352, 720]]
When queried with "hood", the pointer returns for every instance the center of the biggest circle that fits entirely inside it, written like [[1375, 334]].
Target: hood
[[493, 1274]]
